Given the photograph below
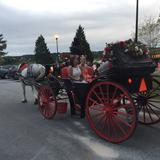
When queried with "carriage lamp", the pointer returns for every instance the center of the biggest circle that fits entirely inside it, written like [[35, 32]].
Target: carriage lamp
[[51, 69], [130, 80]]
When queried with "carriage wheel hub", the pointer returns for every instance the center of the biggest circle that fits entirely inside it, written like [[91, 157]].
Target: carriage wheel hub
[[109, 110], [142, 100]]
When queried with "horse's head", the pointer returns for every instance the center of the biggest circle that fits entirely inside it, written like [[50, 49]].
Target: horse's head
[[21, 67]]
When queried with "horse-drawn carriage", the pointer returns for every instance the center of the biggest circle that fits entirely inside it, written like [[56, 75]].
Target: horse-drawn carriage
[[123, 93]]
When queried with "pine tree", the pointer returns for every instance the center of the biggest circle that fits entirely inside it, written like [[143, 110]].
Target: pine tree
[[3, 45], [42, 53], [80, 46]]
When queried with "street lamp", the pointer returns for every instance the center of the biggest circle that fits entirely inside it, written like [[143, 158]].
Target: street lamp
[[57, 37], [136, 28]]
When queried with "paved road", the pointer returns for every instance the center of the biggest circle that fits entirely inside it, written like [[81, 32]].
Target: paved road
[[25, 135]]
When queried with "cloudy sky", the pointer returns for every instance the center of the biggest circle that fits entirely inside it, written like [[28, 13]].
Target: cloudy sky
[[22, 21]]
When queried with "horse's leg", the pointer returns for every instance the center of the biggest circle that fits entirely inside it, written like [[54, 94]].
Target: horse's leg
[[24, 92], [34, 94]]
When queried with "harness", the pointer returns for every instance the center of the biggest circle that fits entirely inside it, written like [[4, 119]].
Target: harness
[[30, 71]]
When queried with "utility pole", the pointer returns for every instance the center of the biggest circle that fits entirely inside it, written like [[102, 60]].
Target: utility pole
[[57, 59], [136, 27]]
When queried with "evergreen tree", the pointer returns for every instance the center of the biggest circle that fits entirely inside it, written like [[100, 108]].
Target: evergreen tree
[[3, 45], [42, 53], [80, 46]]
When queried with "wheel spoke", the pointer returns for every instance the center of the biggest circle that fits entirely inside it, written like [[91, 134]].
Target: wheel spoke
[[139, 106], [144, 114], [134, 96], [97, 114], [153, 111], [119, 127], [110, 123], [97, 96], [154, 96], [122, 121], [45, 111], [96, 104], [155, 101], [102, 94], [126, 106], [107, 93], [100, 119], [153, 90], [114, 94], [109, 126], [51, 106], [154, 105], [115, 132], [103, 126], [123, 114], [92, 100], [97, 109], [149, 113]]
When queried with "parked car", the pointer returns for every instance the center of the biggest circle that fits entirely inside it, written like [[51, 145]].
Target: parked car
[[12, 72], [3, 72]]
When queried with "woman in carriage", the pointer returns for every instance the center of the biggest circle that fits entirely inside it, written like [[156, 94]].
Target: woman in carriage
[[79, 74]]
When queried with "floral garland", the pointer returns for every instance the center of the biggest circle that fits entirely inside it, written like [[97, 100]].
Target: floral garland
[[134, 49], [129, 47]]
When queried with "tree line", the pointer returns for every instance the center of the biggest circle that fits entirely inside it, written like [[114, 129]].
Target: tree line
[[148, 33], [42, 54]]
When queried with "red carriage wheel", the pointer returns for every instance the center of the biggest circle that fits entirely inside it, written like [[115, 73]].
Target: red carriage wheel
[[148, 104], [47, 102], [111, 112]]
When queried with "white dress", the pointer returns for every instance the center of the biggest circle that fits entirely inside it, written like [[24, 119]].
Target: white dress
[[76, 73]]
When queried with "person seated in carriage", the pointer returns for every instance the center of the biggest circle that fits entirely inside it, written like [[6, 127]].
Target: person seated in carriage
[[77, 69], [74, 69], [76, 81], [86, 69]]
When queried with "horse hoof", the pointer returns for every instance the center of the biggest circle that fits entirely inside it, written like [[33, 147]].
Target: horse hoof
[[24, 101], [35, 101]]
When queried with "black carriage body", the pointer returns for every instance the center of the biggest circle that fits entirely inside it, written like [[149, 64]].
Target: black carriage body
[[129, 71]]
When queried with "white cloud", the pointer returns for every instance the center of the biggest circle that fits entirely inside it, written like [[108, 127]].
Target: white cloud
[[55, 6], [22, 21]]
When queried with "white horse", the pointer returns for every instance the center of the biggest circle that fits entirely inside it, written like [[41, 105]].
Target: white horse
[[29, 73]]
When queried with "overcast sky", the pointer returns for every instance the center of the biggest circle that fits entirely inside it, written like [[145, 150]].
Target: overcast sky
[[22, 21]]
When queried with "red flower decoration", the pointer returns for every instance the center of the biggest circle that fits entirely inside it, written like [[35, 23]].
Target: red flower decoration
[[146, 51], [122, 44], [107, 49]]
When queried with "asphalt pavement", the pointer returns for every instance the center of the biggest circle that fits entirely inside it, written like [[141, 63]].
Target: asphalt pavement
[[26, 135]]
